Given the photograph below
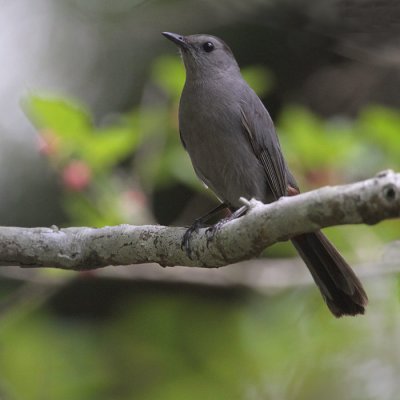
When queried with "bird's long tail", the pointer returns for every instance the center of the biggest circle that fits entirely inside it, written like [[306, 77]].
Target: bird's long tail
[[339, 286]]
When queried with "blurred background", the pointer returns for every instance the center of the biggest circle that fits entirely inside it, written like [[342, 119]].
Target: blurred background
[[89, 94]]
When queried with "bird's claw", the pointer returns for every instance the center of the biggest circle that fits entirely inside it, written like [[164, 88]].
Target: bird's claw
[[185, 245], [213, 230], [210, 232]]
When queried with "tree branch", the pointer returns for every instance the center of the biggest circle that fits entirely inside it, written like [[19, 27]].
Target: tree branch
[[369, 202]]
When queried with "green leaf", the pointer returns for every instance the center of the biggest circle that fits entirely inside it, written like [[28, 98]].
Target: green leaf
[[109, 146], [65, 118]]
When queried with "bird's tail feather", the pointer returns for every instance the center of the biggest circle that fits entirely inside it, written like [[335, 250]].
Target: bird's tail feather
[[339, 286]]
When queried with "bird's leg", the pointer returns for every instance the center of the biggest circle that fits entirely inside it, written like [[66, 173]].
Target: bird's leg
[[212, 230], [198, 224]]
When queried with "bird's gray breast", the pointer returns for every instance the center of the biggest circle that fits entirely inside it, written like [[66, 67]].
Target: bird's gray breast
[[212, 131]]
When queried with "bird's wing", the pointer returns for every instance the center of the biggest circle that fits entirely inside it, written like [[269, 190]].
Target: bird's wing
[[260, 131]]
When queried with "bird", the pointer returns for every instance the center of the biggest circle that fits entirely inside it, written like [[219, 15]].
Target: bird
[[235, 151]]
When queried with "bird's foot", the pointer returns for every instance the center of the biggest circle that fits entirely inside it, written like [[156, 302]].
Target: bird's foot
[[197, 225], [187, 236], [213, 230]]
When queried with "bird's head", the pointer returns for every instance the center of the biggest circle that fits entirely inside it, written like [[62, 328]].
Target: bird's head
[[204, 55]]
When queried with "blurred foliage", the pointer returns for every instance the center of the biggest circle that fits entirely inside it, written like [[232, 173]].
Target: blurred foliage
[[86, 158], [352, 149], [203, 344]]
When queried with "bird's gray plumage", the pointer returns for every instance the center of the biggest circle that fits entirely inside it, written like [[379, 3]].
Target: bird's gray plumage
[[214, 131], [235, 151], [219, 114]]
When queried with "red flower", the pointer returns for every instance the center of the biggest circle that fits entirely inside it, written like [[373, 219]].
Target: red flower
[[76, 176]]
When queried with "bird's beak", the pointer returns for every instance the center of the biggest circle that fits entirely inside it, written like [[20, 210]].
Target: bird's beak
[[176, 38]]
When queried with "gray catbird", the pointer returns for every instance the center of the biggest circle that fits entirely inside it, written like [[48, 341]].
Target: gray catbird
[[235, 151]]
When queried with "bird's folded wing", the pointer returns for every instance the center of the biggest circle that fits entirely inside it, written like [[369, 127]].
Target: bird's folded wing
[[259, 128]]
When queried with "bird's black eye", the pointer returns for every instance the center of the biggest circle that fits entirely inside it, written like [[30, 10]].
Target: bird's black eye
[[208, 46]]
